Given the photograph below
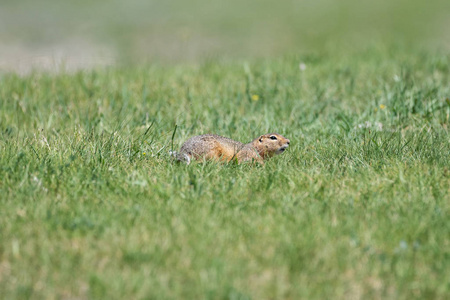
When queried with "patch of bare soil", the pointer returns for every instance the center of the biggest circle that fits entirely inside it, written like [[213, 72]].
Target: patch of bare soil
[[69, 56]]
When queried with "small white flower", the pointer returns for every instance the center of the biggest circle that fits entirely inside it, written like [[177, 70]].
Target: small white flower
[[302, 66], [367, 124], [379, 126]]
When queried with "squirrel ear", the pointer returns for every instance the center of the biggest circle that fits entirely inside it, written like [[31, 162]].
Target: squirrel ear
[[260, 139]]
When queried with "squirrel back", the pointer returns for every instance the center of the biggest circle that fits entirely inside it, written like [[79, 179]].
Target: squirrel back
[[219, 148]]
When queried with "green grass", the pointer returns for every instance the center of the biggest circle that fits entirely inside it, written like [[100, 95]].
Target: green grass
[[93, 207], [139, 30]]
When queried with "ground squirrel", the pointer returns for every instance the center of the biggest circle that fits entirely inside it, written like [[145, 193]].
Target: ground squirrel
[[219, 148]]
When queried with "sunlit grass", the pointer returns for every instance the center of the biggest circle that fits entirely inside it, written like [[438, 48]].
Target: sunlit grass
[[92, 205]]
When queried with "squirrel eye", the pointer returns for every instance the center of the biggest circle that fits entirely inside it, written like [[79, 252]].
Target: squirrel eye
[[272, 137]]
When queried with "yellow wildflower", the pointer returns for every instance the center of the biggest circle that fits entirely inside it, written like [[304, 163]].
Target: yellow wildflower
[[255, 97], [382, 106]]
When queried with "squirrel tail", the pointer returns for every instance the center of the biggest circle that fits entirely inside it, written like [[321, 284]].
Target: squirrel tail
[[180, 157]]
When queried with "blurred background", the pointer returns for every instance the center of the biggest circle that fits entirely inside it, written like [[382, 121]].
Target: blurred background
[[72, 35]]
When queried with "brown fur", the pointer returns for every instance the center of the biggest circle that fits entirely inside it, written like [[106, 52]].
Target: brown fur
[[219, 148]]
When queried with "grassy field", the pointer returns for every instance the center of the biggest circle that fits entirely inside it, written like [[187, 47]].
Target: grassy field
[[358, 207]]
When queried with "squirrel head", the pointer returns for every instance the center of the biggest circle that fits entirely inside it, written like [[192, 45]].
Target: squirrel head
[[270, 144]]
